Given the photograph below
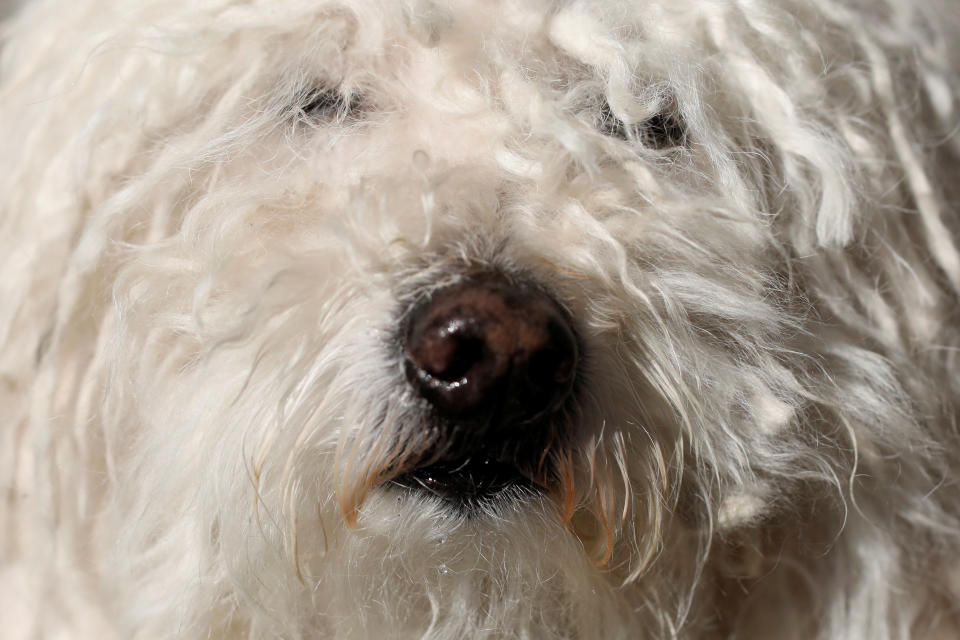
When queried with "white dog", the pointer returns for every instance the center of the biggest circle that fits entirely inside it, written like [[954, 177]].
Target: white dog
[[476, 319]]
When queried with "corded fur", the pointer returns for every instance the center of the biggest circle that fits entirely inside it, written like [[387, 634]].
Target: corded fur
[[213, 217]]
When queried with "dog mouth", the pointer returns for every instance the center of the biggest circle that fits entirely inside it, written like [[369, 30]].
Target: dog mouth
[[467, 481]]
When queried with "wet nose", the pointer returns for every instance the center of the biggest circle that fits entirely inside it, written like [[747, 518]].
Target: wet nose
[[491, 353]]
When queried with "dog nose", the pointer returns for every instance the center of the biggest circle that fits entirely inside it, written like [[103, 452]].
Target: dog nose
[[491, 353]]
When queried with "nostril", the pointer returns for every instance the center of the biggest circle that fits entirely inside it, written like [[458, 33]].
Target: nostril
[[489, 350], [448, 352], [467, 353]]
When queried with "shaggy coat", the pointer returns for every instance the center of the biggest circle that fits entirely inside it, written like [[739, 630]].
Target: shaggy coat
[[215, 216]]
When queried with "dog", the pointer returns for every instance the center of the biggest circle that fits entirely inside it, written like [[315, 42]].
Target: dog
[[466, 319]]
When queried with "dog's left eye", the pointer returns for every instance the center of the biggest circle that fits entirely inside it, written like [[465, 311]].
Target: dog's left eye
[[664, 130]]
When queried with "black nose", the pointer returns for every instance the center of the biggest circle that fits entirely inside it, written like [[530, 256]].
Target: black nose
[[491, 353]]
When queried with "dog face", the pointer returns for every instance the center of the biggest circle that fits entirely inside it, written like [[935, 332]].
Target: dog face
[[467, 319]]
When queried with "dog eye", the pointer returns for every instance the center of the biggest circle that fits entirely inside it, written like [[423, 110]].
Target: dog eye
[[664, 130], [323, 103]]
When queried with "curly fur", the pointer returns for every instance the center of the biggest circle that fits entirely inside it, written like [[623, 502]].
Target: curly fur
[[216, 214]]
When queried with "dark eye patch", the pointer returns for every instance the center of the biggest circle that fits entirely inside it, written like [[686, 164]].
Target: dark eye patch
[[664, 130]]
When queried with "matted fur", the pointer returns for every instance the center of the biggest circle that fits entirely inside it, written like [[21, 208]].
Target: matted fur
[[215, 215]]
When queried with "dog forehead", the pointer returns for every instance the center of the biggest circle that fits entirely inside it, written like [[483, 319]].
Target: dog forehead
[[597, 32]]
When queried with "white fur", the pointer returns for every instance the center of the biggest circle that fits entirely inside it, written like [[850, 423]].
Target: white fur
[[201, 284]]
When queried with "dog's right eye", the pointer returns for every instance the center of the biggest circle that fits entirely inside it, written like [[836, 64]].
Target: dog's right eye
[[323, 103]]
